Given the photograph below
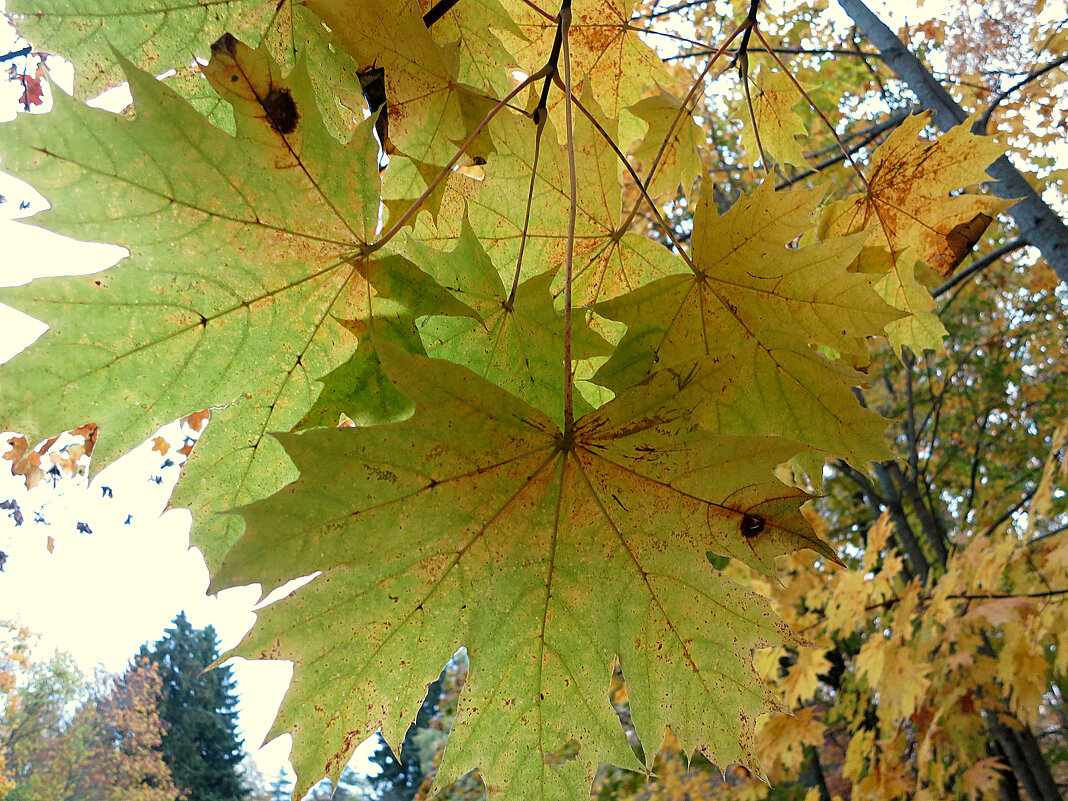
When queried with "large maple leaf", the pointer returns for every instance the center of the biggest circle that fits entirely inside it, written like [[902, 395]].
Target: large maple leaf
[[477, 523], [754, 303], [243, 251]]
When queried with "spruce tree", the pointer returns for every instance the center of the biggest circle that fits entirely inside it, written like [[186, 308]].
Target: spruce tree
[[201, 744]]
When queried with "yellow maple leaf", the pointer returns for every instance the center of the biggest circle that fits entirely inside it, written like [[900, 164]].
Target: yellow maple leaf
[[782, 739], [1023, 667], [858, 752], [773, 96], [913, 218], [891, 670], [680, 164], [800, 683]]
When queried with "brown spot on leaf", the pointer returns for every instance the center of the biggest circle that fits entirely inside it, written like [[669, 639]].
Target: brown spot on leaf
[[751, 526], [281, 110]]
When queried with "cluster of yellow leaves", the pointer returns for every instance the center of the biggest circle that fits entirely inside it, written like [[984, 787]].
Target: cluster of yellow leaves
[[983, 638]]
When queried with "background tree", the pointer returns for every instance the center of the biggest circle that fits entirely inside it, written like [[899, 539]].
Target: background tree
[[199, 707], [66, 739], [281, 787]]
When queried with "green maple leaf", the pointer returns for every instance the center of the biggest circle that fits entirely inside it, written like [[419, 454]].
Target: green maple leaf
[[244, 252], [517, 341], [762, 307], [607, 261], [475, 523]]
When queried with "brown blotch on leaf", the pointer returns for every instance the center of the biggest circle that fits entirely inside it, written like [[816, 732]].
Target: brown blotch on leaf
[[226, 43], [959, 243], [281, 110], [751, 526]]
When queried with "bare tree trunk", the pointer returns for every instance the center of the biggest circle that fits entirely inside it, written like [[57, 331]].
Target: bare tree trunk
[[1039, 225]]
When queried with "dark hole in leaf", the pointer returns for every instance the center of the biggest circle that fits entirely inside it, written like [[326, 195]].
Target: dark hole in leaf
[[373, 84], [281, 111], [717, 561], [751, 526]]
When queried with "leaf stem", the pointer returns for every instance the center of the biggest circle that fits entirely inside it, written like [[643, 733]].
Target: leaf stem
[[569, 378], [540, 122], [743, 74], [419, 201]]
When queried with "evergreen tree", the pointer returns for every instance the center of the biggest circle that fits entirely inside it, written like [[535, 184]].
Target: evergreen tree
[[281, 787], [201, 744]]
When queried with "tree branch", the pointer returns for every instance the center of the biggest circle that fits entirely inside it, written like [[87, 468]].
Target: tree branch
[[1039, 225], [869, 135], [979, 265], [789, 51], [980, 127], [906, 536], [16, 53]]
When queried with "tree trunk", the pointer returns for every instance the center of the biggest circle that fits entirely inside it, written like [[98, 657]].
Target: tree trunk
[[1039, 225]]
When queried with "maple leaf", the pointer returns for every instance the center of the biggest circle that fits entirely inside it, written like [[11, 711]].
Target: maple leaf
[[773, 96], [755, 303], [983, 777], [517, 339], [229, 299], [680, 164], [913, 218], [474, 523], [607, 54], [424, 102]]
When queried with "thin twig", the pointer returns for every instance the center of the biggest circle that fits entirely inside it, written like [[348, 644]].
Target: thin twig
[[980, 126], [16, 53], [789, 51], [437, 11]]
